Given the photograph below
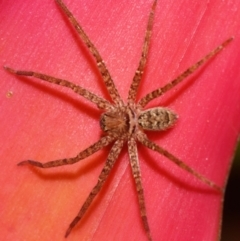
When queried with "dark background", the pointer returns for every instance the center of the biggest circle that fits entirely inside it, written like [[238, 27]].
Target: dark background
[[231, 210]]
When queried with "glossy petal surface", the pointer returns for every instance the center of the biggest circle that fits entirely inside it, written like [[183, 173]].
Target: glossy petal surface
[[44, 122]]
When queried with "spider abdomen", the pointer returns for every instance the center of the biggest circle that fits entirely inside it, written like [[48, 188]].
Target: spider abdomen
[[158, 118]]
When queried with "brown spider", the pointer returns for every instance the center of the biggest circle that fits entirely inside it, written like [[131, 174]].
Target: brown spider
[[123, 122]]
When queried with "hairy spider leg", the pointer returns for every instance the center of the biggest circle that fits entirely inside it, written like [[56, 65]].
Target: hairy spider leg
[[160, 91], [104, 141], [112, 90], [111, 159], [139, 72], [136, 172], [100, 102], [151, 145]]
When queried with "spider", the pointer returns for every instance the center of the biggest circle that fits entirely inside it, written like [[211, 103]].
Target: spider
[[122, 122]]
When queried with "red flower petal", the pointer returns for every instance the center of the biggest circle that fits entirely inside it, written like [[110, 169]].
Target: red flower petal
[[45, 122]]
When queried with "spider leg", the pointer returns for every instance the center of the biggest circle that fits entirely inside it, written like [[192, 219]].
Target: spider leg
[[98, 101], [151, 145], [139, 72], [112, 157], [104, 141], [113, 92], [158, 92], [132, 150]]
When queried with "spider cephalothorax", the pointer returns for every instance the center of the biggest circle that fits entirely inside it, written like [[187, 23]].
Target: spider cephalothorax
[[116, 122], [122, 123]]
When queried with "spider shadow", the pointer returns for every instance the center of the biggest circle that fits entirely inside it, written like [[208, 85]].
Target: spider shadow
[[198, 187], [70, 175], [64, 174], [102, 193], [169, 99], [73, 101], [170, 96], [86, 53]]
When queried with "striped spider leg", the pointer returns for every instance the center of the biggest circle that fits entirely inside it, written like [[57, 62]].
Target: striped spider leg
[[122, 122]]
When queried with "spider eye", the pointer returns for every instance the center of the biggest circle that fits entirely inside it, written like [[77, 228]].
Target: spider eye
[[157, 119]]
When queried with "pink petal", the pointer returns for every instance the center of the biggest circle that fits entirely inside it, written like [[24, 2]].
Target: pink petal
[[45, 122]]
